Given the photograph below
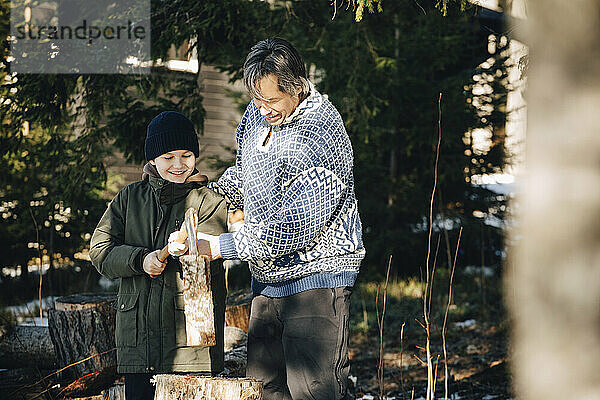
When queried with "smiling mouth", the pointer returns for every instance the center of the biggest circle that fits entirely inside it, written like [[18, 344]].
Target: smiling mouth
[[178, 172]]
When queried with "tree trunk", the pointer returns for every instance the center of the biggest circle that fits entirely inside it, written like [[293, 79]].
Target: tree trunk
[[26, 346], [82, 328], [197, 296], [554, 291], [180, 387]]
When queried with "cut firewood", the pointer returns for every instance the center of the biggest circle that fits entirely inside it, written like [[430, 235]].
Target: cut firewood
[[197, 296]]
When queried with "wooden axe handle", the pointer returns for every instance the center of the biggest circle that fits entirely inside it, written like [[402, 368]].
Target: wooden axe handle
[[163, 253], [162, 256]]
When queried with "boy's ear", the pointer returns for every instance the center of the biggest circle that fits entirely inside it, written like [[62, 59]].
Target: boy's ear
[[152, 162]]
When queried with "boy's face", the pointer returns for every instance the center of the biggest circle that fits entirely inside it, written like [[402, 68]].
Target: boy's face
[[175, 166]]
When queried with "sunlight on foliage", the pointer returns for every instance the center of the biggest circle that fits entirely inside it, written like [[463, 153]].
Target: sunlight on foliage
[[411, 288], [442, 5], [359, 6]]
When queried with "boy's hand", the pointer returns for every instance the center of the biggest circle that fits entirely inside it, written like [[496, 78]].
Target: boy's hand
[[176, 248], [152, 265], [208, 245]]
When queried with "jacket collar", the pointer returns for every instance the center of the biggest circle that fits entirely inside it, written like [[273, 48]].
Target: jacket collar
[[170, 192]]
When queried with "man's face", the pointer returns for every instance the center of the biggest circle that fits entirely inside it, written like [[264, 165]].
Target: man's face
[[277, 105], [175, 166]]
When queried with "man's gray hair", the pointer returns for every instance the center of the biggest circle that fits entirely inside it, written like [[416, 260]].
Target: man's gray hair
[[278, 57]]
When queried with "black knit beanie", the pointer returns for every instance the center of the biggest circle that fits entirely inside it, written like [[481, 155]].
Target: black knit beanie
[[170, 131]]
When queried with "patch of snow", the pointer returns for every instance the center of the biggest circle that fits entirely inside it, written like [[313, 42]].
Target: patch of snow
[[107, 284], [353, 379], [23, 312], [232, 263], [465, 324], [33, 321], [476, 270]]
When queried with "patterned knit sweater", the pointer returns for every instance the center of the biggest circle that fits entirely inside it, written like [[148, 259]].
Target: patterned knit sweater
[[302, 229]]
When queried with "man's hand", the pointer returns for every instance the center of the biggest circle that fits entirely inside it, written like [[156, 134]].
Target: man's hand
[[176, 247], [152, 265], [235, 220], [208, 245]]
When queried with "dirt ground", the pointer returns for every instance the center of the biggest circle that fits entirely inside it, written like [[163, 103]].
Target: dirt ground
[[477, 354]]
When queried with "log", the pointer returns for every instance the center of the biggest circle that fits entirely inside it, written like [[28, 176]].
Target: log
[[234, 337], [189, 387], [115, 392], [197, 297], [235, 352], [26, 346], [237, 312], [82, 330]]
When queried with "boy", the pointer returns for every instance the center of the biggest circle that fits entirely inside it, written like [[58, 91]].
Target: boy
[[150, 324]]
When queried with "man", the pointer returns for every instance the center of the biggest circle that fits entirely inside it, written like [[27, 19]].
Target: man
[[302, 235]]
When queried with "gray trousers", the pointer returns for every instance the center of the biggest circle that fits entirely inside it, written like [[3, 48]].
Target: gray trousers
[[298, 345]]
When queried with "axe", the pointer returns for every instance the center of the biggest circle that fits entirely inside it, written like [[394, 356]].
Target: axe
[[188, 233]]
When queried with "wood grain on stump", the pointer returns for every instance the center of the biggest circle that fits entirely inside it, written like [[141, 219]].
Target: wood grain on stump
[[188, 387]]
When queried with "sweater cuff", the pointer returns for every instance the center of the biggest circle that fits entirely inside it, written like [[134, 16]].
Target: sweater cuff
[[227, 246]]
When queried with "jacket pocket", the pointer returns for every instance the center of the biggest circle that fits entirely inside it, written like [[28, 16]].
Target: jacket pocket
[[180, 333], [126, 320]]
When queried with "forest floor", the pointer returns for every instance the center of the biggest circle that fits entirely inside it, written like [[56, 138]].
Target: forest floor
[[477, 338], [477, 341]]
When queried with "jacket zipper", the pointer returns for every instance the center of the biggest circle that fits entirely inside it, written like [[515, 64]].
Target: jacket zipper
[[155, 236]]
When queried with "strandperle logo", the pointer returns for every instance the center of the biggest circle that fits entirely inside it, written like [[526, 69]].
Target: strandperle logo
[[65, 36], [81, 32]]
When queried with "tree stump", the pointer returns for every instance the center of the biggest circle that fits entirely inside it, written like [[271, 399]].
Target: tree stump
[[26, 346], [188, 387], [197, 296], [237, 312], [82, 329]]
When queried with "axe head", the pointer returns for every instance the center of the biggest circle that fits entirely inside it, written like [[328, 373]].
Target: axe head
[[191, 225]]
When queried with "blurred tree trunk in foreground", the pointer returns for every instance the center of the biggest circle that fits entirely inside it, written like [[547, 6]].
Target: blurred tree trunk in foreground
[[554, 288]]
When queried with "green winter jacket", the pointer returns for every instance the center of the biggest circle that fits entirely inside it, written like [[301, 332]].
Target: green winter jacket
[[150, 325]]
